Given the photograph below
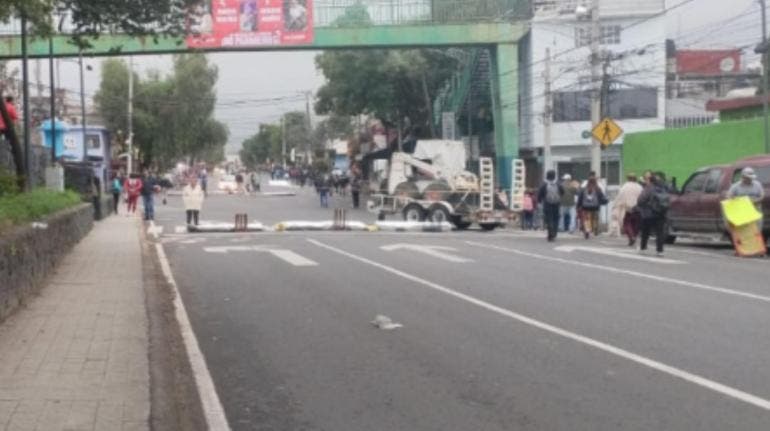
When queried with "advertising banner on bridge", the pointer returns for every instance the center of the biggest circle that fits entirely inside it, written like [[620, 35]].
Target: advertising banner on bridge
[[250, 23]]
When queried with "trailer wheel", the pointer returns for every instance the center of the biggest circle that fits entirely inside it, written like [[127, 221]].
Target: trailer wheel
[[460, 224], [414, 212], [489, 226], [438, 213]]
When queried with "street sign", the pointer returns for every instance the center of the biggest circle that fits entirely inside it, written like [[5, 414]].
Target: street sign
[[607, 131]]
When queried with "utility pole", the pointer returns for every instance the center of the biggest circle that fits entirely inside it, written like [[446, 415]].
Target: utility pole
[[596, 151], [83, 104], [762, 3], [53, 100], [547, 115], [283, 141], [25, 100], [309, 126], [130, 138]]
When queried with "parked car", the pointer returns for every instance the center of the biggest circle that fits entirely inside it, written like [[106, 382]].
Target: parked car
[[227, 184], [696, 210]]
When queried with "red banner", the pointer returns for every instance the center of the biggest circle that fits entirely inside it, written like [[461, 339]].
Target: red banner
[[251, 23]]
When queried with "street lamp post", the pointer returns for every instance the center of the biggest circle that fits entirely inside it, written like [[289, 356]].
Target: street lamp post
[[763, 50], [83, 105], [25, 101]]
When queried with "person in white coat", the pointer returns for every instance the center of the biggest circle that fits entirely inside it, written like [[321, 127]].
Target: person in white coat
[[192, 196], [625, 208]]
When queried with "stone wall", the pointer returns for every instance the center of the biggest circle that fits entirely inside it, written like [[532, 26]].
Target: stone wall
[[29, 254], [41, 158]]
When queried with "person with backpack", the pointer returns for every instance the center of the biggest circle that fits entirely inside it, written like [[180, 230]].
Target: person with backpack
[[590, 200], [149, 188], [550, 195], [653, 207], [117, 190], [568, 202]]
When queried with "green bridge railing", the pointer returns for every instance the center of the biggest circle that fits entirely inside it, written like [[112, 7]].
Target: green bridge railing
[[344, 13]]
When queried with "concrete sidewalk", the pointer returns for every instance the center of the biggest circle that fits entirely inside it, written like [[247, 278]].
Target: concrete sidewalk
[[76, 357]]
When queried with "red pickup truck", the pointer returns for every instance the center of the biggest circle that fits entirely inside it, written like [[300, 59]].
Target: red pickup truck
[[696, 210]]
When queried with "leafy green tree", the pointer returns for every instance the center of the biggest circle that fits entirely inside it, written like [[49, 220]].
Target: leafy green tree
[[173, 115], [389, 85], [262, 146], [334, 127]]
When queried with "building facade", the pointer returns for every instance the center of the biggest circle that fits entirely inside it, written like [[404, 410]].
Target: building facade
[[633, 60]]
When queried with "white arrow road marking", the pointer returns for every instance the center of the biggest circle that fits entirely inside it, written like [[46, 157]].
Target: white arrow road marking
[[287, 256], [436, 251], [154, 230], [618, 253]]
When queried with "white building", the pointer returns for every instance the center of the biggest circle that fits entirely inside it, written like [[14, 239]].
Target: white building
[[633, 44]]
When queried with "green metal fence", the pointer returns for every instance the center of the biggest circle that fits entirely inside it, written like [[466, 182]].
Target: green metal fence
[[346, 13]]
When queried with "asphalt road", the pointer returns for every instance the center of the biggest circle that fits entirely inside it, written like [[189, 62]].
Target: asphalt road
[[501, 331]]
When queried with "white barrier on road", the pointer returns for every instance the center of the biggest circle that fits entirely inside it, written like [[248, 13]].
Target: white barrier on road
[[294, 226], [413, 226], [224, 227]]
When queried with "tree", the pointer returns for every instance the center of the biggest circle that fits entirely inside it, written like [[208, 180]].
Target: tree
[[173, 115], [89, 18], [262, 146], [334, 127], [298, 134], [389, 85]]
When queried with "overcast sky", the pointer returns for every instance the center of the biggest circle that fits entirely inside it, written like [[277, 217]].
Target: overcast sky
[[247, 79]]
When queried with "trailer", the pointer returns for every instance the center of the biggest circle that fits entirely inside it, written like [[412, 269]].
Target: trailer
[[433, 185]]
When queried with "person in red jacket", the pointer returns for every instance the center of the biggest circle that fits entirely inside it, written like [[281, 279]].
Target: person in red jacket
[[133, 188], [11, 113]]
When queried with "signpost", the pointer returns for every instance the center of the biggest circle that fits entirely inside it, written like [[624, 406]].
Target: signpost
[[607, 132]]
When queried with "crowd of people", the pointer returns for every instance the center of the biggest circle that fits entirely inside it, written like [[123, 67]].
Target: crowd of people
[[570, 206]]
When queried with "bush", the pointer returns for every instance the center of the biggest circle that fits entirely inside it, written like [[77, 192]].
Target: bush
[[26, 207], [8, 184]]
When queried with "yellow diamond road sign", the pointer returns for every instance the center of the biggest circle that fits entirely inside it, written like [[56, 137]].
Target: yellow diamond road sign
[[607, 131]]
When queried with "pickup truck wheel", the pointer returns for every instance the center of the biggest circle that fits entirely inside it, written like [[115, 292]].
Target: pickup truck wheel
[[414, 212], [670, 238], [438, 214], [489, 226]]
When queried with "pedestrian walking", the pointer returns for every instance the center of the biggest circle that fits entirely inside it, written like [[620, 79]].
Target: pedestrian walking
[[550, 194], [149, 188], [324, 189], [750, 187], [625, 208], [653, 207], [255, 184], [133, 188], [568, 201], [192, 197], [528, 211], [590, 200], [355, 190], [117, 191]]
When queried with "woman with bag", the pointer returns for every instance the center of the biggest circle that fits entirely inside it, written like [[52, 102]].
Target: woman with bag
[[590, 201]]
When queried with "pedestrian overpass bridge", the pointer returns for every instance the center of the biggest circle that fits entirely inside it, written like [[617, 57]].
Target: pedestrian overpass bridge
[[497, 25]]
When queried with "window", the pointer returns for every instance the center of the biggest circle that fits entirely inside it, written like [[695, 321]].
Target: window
[[93, 142], [713, 181], [610, 35], [695, 183], [763, 175], [622, 104]]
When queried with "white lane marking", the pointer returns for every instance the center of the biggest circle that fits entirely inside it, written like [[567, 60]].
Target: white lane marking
[[287, 256], [617, 351], [618, 253], [437, 251], [627, 272], [154, 230], [292, 258], [212, 406], [180, 229]]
